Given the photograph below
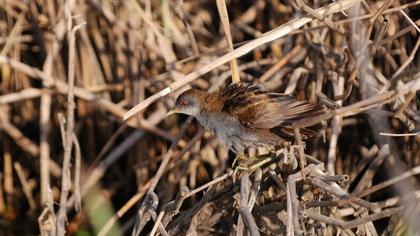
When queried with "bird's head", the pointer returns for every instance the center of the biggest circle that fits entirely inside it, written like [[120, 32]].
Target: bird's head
[[189, 103]]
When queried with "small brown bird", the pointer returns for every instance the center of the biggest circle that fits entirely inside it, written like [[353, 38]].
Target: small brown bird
[[244, 116]]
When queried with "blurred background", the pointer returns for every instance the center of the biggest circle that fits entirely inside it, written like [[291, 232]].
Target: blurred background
[[87, 172]]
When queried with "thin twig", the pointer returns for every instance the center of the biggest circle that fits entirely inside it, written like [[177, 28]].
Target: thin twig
[[77, 167], [68, 141], [26, 186]]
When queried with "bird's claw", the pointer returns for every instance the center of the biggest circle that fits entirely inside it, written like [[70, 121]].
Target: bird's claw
[[250, 166], [238, 158]]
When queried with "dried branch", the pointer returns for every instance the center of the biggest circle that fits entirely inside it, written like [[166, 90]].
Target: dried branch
[[68, 137]]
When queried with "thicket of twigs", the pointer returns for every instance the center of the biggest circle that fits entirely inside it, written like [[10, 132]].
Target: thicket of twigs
[[70, 70]]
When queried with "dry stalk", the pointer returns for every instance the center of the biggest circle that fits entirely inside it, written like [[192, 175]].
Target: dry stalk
[[68, 136]]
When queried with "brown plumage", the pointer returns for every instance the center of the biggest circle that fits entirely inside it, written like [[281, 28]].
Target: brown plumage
[[244, 116]]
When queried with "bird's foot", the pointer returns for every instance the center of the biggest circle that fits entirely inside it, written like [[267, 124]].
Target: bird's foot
[[251, 164], [251, 168], [239, 158], [271, 149]]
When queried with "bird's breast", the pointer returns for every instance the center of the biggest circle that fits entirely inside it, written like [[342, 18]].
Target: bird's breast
[[231, 133], [227, 129], [220, 124]]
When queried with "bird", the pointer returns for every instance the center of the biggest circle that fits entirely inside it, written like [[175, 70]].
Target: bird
[[243, 115]]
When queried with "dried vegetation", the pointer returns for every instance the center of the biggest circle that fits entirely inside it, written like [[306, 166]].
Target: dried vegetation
[[70, 71]]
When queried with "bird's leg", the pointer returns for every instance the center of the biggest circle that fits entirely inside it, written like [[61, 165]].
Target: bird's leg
[[251, 167], [271, 149], [242, 165], [250, 163], [244, 161], [259, 164], [239, 157]]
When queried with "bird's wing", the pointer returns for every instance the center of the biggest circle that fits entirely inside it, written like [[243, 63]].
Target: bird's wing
[[259, 109]]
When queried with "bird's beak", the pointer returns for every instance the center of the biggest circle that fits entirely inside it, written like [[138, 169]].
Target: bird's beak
[[172, 111]]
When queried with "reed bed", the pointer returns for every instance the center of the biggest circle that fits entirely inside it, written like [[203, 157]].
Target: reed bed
[[86, 148]]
